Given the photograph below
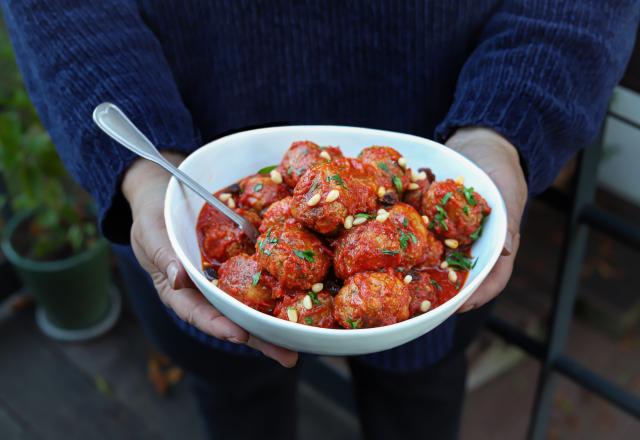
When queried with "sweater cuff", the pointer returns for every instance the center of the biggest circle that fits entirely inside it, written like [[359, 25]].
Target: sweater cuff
[[514, 118]]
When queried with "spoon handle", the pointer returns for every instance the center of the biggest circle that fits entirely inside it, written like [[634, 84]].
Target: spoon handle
[[116, 124]]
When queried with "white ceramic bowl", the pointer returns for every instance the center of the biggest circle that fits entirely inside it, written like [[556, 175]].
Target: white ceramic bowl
[[228, 159]]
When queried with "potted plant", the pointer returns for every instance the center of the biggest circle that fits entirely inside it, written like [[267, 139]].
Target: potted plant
[[50, 236]]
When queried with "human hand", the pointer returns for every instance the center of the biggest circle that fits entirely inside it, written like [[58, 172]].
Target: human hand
[[500, 160], [144, 187]]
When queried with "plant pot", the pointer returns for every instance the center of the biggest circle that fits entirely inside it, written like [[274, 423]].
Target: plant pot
[[75, 297]]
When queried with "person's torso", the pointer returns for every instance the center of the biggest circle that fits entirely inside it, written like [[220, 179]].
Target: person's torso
[[376, 63]]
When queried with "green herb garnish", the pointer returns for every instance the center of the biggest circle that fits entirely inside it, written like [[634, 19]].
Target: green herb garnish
[[460, 261], [364, 215], [465, 209], [440, 216], [308, 320], [405, 222], [256, 278], [305, 255], [478, 232], [289, 170], [446, 198], [468, 194], [404, 239], [383, 166], [397, 183], [313, 187], [257, 187], [390, 252], [336, 178], [267, 170], [267, 240], [353, 323], [435, 284], [314, 297]]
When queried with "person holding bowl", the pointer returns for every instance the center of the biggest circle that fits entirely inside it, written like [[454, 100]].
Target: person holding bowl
[[516, 86]]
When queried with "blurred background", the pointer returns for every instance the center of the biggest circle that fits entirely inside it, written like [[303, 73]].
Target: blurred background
[[87, 361]]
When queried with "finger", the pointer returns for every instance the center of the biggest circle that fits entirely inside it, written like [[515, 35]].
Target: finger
[[193, 308], [495, 282], [284, 357]]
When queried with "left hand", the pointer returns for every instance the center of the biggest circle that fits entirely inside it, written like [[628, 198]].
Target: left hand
[[500, 160]]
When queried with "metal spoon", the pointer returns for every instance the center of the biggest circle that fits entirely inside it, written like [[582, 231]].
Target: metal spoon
[[116, 124]]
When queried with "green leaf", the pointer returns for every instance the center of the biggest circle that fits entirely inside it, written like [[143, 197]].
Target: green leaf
[[257, 187], [460, 261], [478, 232], [336, 178], [256, 278], [390, 252], [305, 255], [308, 320], [465, 209], [353, 323], [405, 222], [435, 284], [397, 183], [383, 166], [314, 297], [468, 194], [267, 170], [446, 198], [364, 215], [314, 186]]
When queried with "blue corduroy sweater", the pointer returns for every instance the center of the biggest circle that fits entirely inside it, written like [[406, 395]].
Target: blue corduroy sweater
[[540, 72]]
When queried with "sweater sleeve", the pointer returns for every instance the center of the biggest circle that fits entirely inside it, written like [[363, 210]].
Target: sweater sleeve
[[75, 54], [541, 75]]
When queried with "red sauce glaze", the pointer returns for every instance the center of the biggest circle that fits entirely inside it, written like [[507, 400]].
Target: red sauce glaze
[[219, 238], [459, 216], [258, 192], [319, 315], [328, 217], [301, 156], [242, 278], [372, 299], [278, 214], [386, 171], [294, 256]]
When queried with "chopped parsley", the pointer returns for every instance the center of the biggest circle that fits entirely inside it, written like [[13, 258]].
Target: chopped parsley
[[440, 217], [267, 170], [364, 215], [465, 209], [405, 222], [383, 166], [397, 183], [446, 198], [257, 187], [314, 297], [256, 278], [435, 284], [404, 239], [467, 192], [305, 255], [390, 252], [308, 320], [353, 323], [336, 178], [267, 240], [478, 232], [289, 170], [313, 187], [460, 261]]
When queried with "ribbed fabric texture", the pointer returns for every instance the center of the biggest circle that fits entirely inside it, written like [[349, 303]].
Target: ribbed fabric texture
[[538, 71]]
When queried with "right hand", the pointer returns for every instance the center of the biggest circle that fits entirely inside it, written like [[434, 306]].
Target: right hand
[[144, 187]]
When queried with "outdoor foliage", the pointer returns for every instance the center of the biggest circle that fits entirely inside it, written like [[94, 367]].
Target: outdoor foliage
[[33, 177]]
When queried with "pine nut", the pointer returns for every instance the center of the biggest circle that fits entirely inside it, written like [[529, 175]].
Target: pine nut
[[453, 276], [276, 177], [214, 282], [425, 305], [416, 177], [332, 196], [306, 302], [314, 200], [317, 287], [408, 279], [231, 203], [382, 211], [381, 191], [413, 186], [425, 219], [292, 314], [359, 220], [451, 243], [348, 222], [325, 155], [460, 180], [382, 217], [402, 162], [224, 197], [444, 265]]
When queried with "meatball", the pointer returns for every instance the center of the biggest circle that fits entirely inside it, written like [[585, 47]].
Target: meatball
[[301, 156], [413, 196], [278, 214], [294, 256], [372, 299], [387, 172], [401, 240], [327, 193], [315, 309], [455, 211], [259, 191], [219, 237], [242, 278], [422, 291]]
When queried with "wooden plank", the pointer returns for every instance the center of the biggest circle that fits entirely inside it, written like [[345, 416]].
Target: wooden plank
[[52, 395]]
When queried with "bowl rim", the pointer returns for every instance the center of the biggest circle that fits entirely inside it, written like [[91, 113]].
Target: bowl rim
[[468, 289]]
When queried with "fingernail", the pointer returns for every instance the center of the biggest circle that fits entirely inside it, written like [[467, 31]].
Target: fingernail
[[235, 340], [172, 274], [508, 245]]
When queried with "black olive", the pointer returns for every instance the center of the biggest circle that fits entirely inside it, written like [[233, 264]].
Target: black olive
[[390, 198], [211, 273], [430, 176], [233, 189]]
